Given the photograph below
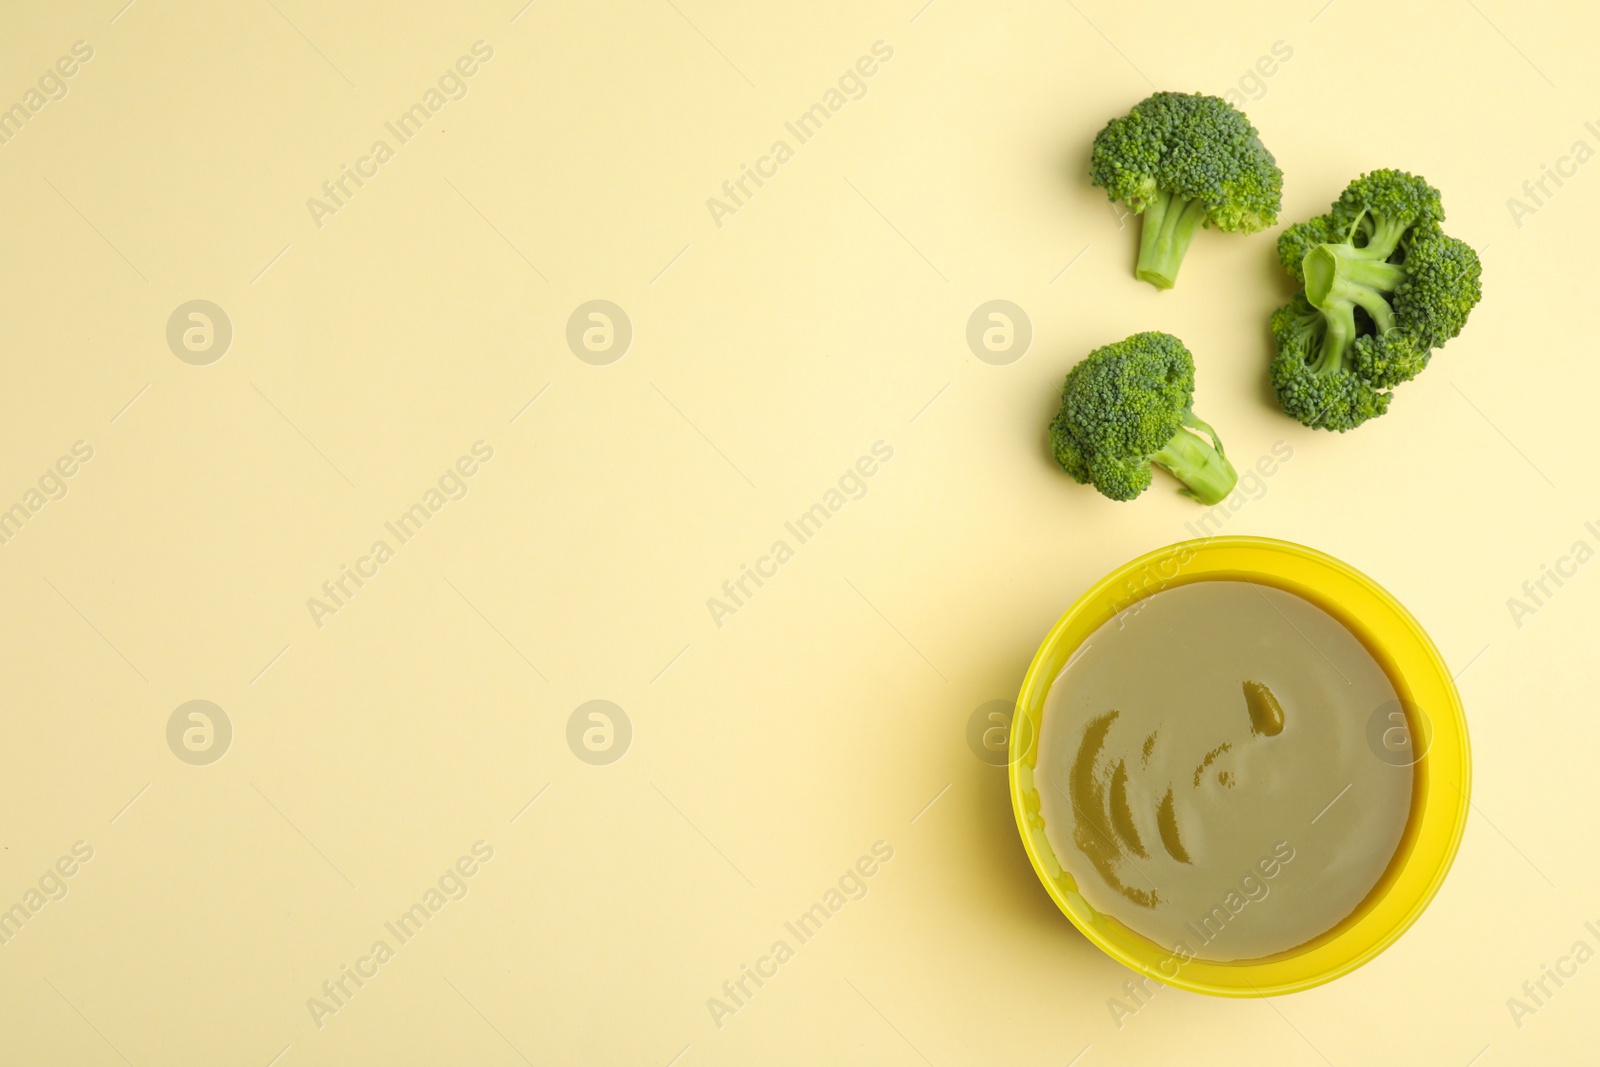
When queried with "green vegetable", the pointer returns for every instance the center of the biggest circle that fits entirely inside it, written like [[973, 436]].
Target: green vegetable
[[1183, 161], [1383, 286], [1128, 406]]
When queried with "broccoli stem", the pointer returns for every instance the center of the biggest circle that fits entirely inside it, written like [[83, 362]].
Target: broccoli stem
[[1205, 472], [1170, 223], [1339, 279], [1383, 236], [1338, 337]]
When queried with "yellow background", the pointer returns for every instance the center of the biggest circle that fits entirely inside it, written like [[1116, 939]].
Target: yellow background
[[830, 712]]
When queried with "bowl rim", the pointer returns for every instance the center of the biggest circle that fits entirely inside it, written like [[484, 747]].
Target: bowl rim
[[1441, 789]]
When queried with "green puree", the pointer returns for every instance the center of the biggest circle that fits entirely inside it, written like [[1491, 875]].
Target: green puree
[[1205, 775]]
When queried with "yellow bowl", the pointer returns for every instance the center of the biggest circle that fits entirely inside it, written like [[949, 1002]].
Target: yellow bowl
[[1438, 740]]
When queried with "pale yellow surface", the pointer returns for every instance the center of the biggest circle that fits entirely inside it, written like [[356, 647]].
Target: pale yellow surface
[[829, 713]]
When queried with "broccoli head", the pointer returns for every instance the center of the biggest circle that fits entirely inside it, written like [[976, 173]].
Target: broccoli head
[[1182, 161], [1383, 287], [1128, 407]]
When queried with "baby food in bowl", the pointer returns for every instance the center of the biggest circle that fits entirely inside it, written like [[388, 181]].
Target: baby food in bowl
[[1240, 766]]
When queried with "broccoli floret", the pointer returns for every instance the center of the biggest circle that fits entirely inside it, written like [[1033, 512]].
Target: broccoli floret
[[1128, 406], [1335, 398], [1383, 287], [1186, 160]]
